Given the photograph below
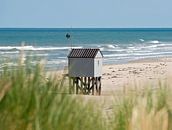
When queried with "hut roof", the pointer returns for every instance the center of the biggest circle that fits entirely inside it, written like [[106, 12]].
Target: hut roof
[[84, 53]]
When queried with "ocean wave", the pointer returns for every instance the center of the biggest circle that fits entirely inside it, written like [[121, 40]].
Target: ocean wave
[[55, 62], [109, 46], [151, 46], [154, 42], [31, 48], [136, 54], [9, 52], [120, 50], [133, 49], [40, 55], [115, 55], [156, 46], [137, 48], [142, 40]]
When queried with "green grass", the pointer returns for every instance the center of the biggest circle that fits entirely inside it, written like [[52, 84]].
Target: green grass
[[144, 110], [28, 101]]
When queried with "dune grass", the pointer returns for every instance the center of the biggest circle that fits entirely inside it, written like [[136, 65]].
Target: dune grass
[[144, 110], [30, 101]]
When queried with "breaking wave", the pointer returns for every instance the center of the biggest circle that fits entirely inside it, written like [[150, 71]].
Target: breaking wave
[[31, 48], [154, 42], [142, 40]]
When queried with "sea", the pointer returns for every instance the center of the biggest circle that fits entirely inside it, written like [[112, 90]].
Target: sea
[[118, 45]]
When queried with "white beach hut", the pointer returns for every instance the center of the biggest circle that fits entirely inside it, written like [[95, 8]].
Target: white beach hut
[[85, 66], [85, 63]]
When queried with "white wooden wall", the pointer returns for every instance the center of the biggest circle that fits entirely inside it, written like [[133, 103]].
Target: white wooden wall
[[97, 67], [81, 67]]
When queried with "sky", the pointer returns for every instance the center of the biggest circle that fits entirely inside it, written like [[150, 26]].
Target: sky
[[85, 13]]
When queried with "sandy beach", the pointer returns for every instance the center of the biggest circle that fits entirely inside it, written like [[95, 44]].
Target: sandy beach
[[141, 73], [136, 74]]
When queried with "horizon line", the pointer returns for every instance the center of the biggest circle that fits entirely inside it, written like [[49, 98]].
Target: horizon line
[[86, 28]]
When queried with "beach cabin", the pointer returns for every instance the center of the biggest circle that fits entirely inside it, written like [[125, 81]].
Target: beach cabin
[[85, 70]]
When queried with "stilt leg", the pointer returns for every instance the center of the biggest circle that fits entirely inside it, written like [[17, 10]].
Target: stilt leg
[[93, 82], [74, 83], [96, 86], [88, 85], [77, 85], [70, 84], [85, 85], [99, 85]]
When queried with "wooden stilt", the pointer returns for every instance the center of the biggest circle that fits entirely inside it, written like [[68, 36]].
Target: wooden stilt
[[85, 85], [73, 87], [81, 85], [70, 84], [88, 85], [99, 85], [96, 84], [93, 80], [77, 85]]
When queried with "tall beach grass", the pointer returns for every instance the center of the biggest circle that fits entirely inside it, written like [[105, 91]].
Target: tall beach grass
[[29, 101]]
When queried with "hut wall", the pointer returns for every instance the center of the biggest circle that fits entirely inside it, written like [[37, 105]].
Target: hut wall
[[81, 67], [97, 67]]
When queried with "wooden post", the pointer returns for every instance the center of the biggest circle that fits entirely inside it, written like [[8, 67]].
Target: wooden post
[[81, 85], [88, 85], [85, 85], [70, 84], [100, 84], [93, 86], [74, 83], [77, 85], [96, 82]]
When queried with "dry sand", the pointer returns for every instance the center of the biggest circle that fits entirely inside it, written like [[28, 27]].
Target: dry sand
[[136, 74], [142, 73]]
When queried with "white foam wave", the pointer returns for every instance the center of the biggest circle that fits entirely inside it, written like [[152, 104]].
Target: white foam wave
[[136, 54], [142, 40], [41, 55], [9, 52], [155, 46], [133, 48], [55, 62], [116, 55], [115, 50], [152, 46], [110, 46], [31, 48], [154, 42]]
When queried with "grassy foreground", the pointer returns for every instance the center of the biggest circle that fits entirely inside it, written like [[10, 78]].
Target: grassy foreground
[[28, 101]]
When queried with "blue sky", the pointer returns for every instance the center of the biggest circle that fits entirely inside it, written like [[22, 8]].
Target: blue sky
[[85, 13]]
